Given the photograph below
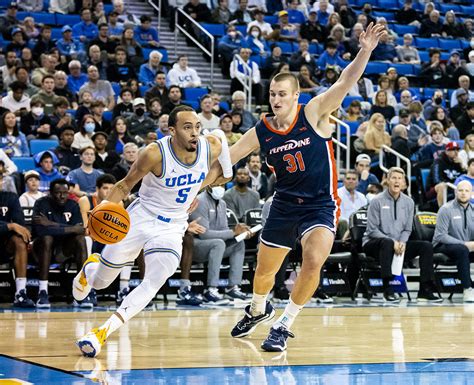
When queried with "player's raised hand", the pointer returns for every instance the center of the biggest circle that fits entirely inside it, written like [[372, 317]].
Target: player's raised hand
[[370, 37]]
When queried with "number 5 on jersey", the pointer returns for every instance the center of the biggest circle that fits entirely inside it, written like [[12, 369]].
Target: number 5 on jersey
[[183, 195], [295, 162]]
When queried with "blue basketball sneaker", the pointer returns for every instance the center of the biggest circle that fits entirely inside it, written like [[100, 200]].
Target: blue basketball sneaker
[[276, 340], [248, 324], [186, 297], [43, 300]]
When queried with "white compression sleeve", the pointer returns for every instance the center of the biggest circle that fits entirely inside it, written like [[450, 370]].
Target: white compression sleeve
[[224, 157]]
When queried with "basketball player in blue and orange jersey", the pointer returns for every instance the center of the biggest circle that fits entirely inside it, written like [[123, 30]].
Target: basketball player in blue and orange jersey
[[297, 143]]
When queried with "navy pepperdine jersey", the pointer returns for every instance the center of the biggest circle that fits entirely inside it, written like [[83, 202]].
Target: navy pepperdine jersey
[[303, 161]]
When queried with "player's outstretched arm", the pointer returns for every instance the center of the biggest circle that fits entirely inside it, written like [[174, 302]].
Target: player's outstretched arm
[[330, 100], [247, 144], [149, 159]]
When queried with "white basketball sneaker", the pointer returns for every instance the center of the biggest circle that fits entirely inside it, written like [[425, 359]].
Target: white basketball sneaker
[[80, 286], [468, 295], [91, 344]]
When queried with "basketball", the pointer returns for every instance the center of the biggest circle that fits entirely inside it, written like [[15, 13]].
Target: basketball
[[108, 223]]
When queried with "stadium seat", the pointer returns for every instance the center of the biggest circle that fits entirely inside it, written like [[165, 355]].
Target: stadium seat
[[224, 105], [194, 93], [416, 69], [465, 43], [271, 19], [424, 178], [232, 219], [443, 8], [376, 68], [348, 100], [44, 18], [242, 29], [467, 10], [107, 115], [286, 47], [116, 87], [4, 3], [20, 15], [304, 98], [389, 16], [449, 44], [353, 126], [428, 93], [108, 8], [67, 19], [24, 163], [387, 4], [314, 49], [424, 56], [143, 90], [427, 43], [56, 33], [38, 145], [146, 53], [403, 69], [401, 29], [192, 103]]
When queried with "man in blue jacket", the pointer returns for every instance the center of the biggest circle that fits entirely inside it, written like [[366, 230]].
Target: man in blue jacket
[[145, 35], [85, 30]]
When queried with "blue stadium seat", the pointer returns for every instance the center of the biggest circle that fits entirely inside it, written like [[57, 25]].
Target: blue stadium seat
[[428, 93], [192, 103], [424, 178], [348, 100], [224, 105], [107, 115], [416, 69], [314, 49], [443, 8], [4, 3], [389, 16], [424, 56], [460, 143], [214, 29], [467, 9], [143, 90], [44, 18], [376, 68], [304, 98], [38, 145], [20, 15], [271, 19], [164, 52], [424, 42], [56, 33], [72, 113], [401, 29], [286, 47], [258, 60], [116, 87], [146, 53], [403, 69], [387, 4], [108, 8], [24, 163], [444, 56], [67, 19], [194, 93], [242, 29], [449, 44], [353, 126], [465, 43]]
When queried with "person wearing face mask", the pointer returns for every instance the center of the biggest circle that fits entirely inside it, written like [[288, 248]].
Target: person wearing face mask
[[431, 104], [256, 43], [138, 123], [86, 130], [228, 45], [216, 243], [36, 124]]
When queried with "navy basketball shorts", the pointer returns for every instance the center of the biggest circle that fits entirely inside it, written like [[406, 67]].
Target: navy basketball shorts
[[288, 221]]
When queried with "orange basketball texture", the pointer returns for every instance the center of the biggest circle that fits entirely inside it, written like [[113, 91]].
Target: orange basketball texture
[[108, 223]]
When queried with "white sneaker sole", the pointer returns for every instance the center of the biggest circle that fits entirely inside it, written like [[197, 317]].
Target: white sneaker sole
[[262, 321], [78, 291], [88, 347]]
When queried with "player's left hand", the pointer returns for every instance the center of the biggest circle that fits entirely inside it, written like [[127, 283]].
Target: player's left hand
[[369, 39], [193, 206]]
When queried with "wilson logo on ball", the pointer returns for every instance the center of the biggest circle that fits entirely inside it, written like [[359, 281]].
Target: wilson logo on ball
[[115, 221]]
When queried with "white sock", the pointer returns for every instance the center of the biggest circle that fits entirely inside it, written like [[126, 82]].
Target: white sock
[[20, 284], [258, 304], [124, 284], [112, 324], [288, 316], [43, 285]]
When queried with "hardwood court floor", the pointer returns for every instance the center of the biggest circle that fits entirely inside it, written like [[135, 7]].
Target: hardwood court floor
[[200, 338]]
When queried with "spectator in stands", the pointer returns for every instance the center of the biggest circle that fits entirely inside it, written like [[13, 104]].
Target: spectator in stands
[[449, 130], [9, 20], [138, 123], [46, 162], [284, 30], [354, 112], [462, 99], [434, 148], [352, 44], [228, 45], [242, 14], [105, 159], [454, 235], [399, 144], [60, 118], [407, 15], [123, 16], [311, 30], [9, 167], [351, 200], [376, 136], [17, 101], [338, 35], [22, 76], [434, 71], [199, 12], [31, 5], [330, 57], [226, 126], [99, 88], [183, 75], [381, 105], [415, 134], [256, 43], [76, 79], [385, 51], [48, 67], [32, 193], [46, 94], [68, 156], [163, 127], [8, 70], [85, 102], [469, 176], [44, 43], [174, 99], [258, 180], [145, 35], [444, 169], [61, 88], [238, 105], [98, 14], [129, 156], [86, 129], [307, 82], [240, 73], [431, 27], [119, 135], [27, 59], [323, 10], [470, 65], [84, 177], [7, 182], [57, 223], [62, 6], [221, 14], [69, 47], [362, 19], [209, 121], [387, 234], [451, 27], [362, 166], [14, 239], [405, 100], [216, 243], [273, 61], [159, 90], [240, 198], [12, 141], [121, 71], [347, 14], [265, 27], [101, 124], [133, 49], [295, 15], [465, 123], [302, 56], [85, 30], [407, 53], [36, 124], [467, 152], [104, 41], [416, 117], [18, 41], [125, 107], [464, 82], [150, 69], [364, 88], [455, 68], [437, 100], [367, 12]]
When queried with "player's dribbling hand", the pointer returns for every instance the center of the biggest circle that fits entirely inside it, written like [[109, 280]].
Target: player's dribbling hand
[[369, 39]]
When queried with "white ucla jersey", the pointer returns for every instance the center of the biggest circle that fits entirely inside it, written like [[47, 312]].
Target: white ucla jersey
[[170, 194]]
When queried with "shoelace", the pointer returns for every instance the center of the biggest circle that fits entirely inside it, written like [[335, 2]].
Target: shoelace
[[277, 334]]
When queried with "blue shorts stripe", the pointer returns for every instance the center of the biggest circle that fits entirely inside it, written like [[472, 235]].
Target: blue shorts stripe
[[162, 250]]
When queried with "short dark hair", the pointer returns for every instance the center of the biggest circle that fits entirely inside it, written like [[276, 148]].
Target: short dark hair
[[102, 25], [47, 77], [331, 44], [16, 85], [253, 154], [84, 149], [20, 68], [174, 86], [434, 51], [352, 172], [173, 118], [60, 101], [66, 128], [120, 48], [144, 18], [60, 181], [125, 89], [105, 179], [469, 162]]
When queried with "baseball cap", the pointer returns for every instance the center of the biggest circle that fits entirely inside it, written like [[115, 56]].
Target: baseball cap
[[362, 157], [138, 101], [403, 112], [452, 146], [392, 69], [32, 174], [13, 5], [66, 28], [15, 30], [96, 134], [460, 92], [455, 52], [282, 13], [312, 11], [471, 54]]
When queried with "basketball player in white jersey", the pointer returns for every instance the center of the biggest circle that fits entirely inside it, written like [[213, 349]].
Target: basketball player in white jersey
[[173, 170]]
